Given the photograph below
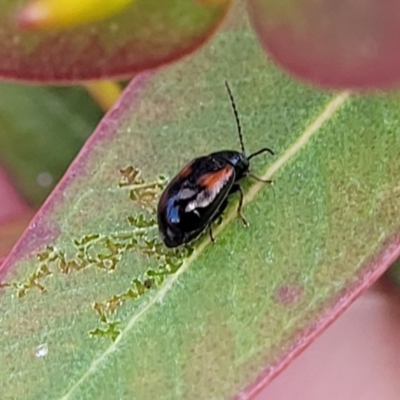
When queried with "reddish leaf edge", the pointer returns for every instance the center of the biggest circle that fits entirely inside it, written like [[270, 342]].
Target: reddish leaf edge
[[29, 242], [373, 269], [126, 72]]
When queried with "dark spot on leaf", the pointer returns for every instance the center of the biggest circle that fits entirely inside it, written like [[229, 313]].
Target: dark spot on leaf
[[288, 294], [148, 283]]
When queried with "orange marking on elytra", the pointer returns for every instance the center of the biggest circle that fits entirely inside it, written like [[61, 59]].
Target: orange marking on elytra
[[214, 178], [186, 171]]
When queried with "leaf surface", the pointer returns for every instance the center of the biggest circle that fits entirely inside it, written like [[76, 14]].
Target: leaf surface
[[224, 316]]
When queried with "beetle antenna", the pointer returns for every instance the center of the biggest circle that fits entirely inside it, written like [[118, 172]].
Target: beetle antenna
[[264, 150], [239, 128]]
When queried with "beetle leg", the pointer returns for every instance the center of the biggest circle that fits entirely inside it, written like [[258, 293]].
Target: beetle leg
[[259, 179], [211, 235], [239, 210]]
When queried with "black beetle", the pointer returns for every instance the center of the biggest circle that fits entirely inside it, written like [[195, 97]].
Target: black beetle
[[198, 195]]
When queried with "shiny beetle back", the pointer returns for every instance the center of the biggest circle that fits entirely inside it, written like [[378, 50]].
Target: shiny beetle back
[[198, 194]]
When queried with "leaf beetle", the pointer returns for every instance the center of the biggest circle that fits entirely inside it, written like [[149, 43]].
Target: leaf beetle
[[198, 194]]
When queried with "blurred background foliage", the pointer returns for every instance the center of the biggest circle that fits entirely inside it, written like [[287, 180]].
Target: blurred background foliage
[[42, 128]]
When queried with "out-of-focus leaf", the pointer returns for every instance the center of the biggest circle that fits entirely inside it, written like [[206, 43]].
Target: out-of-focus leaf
[[56, 14], [12, 205], [203, 325], [15, 216], [351, 44], [11, 231], [41, 131], [105, 93], [144, 35], [394, 273]]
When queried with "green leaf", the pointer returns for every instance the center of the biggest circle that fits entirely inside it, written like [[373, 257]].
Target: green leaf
[[146, 34], [41, 131], [206, 321]]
